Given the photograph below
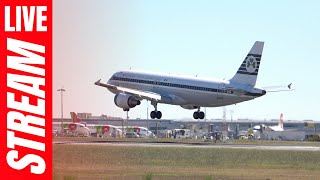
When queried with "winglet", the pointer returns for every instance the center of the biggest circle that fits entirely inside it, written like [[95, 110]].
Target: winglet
[[98, 82], [109, 86]]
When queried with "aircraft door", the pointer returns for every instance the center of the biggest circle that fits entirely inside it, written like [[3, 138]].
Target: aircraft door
[[220, 91], [117, 83], [156, 84]]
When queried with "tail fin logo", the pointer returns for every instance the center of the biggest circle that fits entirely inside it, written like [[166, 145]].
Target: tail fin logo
[[251, 64], [281, 120]]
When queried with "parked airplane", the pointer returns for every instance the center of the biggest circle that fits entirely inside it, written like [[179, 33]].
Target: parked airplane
[[131, 87], [98, 129], [77, 129], [104, 130], [279, 127]]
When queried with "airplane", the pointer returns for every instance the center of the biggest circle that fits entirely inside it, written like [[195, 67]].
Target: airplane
[[131, 87], [76, 126], [104, 130], [278, 127]]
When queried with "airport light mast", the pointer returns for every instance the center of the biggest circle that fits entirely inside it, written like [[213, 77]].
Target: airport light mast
[[231, 112], [61, 92], [147, 117], [224, 122]]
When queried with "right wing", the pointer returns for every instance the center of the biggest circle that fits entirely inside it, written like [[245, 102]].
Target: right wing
[[140, 94]]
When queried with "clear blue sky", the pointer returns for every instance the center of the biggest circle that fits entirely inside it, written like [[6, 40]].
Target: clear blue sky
[[95, 38]]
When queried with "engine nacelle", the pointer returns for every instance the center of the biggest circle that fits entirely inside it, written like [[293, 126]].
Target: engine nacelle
[[126, 101], [189, 107]]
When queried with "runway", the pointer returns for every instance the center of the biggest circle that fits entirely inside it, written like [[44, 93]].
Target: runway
[[212, 146]]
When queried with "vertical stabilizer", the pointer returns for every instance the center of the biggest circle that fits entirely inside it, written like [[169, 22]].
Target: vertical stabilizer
[[74, 117], [248, 71], [281, 121]]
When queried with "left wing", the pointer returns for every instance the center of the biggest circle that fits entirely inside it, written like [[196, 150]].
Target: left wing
[[140, 94]]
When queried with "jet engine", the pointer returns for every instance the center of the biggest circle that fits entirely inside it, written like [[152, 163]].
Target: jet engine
[[126, 101]]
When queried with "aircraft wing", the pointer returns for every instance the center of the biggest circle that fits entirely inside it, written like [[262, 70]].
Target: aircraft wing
[[140, 94]]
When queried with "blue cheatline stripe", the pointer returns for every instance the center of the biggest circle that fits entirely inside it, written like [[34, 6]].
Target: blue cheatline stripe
[[172, 85], [245, 70], [244, 66], [245, 60], [255, 55], [248, 73], [257, 58]]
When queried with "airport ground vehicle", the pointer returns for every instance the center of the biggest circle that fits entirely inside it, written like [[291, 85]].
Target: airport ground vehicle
[[243, 137], [181, 133], [131, 135], [143, 132]]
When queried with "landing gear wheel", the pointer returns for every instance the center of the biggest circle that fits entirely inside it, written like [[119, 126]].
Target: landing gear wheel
[[159, 114], [196, 115], [153, 114], [201, 115]]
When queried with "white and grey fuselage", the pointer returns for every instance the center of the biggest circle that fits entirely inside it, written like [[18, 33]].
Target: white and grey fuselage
[[188, 92]]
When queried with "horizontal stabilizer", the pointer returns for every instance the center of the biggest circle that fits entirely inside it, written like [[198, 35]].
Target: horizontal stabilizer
[[279, 88]]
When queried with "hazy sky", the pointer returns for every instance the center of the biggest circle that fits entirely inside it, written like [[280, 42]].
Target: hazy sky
[[92, 39]]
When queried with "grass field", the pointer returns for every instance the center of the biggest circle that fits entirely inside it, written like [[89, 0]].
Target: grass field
[[121, 162]]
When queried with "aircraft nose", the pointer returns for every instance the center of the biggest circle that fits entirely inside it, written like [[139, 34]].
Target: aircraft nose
[[264, 92]]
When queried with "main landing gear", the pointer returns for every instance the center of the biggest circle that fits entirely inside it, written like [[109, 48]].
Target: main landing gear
[[155, 114], [198, 114]]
